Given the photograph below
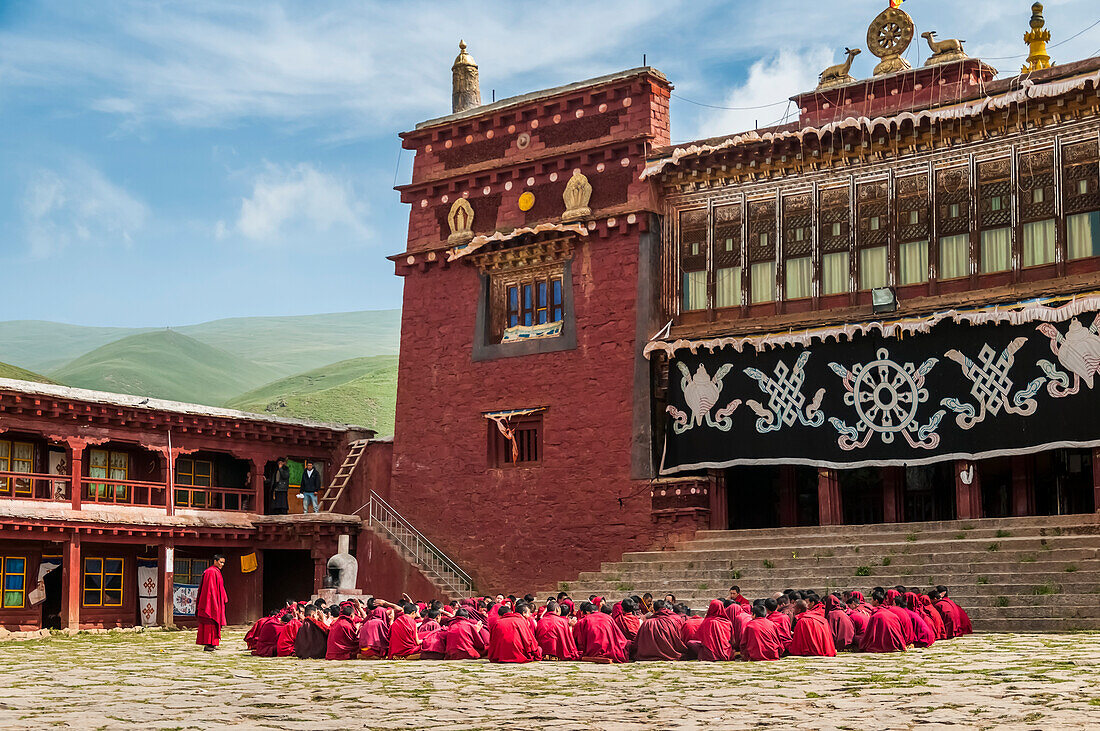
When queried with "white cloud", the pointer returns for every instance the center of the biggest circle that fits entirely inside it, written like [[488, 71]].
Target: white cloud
[[78, 205], [293, 203], [769, 80]]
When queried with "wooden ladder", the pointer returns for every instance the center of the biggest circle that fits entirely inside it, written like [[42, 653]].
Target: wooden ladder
[[336, 488]]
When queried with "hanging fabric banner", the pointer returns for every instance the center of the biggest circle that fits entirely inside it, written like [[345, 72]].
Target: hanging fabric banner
[[958, 392], [148, 581], [185, 597], [45, 566]]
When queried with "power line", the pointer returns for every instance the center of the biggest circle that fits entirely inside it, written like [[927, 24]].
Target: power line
[[1053, 45], [732, 109]]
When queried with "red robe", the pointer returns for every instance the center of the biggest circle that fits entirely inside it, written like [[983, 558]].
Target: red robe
[[284, 647], [884, 632], [935, 621], [963, 625], [597, 636], [433, 645], [923, 635], [210, 607], [761, 641], [555, 638], [628, 624], [464, 641], [691, 628], [812, 636], [312, 640], [428, 625], [740, 619], [343, 644], [267, 639], [744, 603], [783, 624], [660, 638], [254, 632], [403, 639], [844, 631], [374, 635], [511, 640], [893, 604], [715, 635], [859, 621]]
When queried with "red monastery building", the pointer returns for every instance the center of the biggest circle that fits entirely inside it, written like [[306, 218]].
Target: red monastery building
[[882, 312]]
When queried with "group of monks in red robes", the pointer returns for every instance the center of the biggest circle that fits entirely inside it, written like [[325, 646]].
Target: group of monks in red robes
[[511, 630]]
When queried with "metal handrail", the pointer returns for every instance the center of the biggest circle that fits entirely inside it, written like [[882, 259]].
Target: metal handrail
[[423, 550]]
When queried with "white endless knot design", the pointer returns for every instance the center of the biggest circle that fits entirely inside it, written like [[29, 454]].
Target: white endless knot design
[[785, 397], [992, 385]]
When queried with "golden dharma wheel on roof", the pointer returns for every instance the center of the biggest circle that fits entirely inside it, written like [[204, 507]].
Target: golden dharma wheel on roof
[[888, 37]]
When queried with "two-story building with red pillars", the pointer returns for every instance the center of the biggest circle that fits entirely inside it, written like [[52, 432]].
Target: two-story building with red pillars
[[127, 499]]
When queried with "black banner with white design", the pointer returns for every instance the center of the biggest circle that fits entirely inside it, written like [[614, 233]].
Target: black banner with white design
[[959, 391]]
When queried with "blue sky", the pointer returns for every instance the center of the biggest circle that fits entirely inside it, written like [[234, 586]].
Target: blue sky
[[168, 163]]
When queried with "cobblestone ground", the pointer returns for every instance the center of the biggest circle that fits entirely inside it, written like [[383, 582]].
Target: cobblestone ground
[[162, 680]]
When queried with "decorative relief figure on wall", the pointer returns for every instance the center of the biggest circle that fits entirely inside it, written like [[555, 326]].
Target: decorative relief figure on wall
[[578, 192], [839, 75], [943, 51], [461, 221], [888, 37]]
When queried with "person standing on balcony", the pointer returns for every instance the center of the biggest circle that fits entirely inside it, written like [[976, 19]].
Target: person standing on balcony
[[280, 483], [210, 608], [311, 484]]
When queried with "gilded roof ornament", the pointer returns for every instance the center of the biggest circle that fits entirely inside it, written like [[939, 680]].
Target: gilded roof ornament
[[839, 75], [888, 37], [1037, 39], [465, 87], [943, 51]]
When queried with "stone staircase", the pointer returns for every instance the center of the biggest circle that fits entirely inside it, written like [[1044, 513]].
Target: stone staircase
[[1010, 574]]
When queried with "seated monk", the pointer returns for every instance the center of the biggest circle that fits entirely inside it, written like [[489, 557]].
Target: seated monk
[[404, 641], [935, 621], [692, 622], [431, 622], [858, 616], [554, 635], [511, 638], [312, 639], [812, 635], [268, 638], [433, 645], [343, 643], [963, 625], [760, 639], [885, 632], [598, 638], [628, 620], [782, 622], [254, 632], [925, 636], [844, 631], [284, 646], [465, 639], [374, 635], [736, 596], [660, 637], [784, 606], [715, 636]]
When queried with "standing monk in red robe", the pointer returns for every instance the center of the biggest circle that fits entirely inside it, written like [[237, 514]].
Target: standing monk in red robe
[[210, 608], [812, 635], [511, 638], [554, 635], [760, 638], [660, 637]]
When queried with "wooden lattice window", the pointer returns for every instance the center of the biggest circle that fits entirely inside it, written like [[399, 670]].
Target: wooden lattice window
[[995, 215], [525, 446], [761, 248], [13, 581], [112, 466], [797, 246], [16, 457], [526, 297], [1035, 196], [693, 259], [189, 570], [834, 237], [953, 222], [1082, 199], [103, 582], [912, 228], [727, 256], [873, 234]]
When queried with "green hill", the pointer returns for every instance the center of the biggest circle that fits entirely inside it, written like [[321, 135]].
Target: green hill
[[21, 374], [165, 364], [45, 346], [360, 391]]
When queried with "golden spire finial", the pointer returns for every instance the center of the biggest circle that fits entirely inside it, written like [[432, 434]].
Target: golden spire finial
[[465, 90], [1037, 39]]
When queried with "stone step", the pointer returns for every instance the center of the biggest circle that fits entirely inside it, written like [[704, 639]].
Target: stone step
[[811, 572], [1053, 624], [1005, 545], [999, 584], [915, 538], [1045, 521]]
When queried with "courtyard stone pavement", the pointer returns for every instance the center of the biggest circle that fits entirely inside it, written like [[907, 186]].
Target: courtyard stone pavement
[[161, 680]]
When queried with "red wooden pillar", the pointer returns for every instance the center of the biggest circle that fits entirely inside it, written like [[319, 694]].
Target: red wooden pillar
[[892, 501], [1096, 480], [165, 604], [1023, 484], [788, 498], [719, 505], [829, 509], [70, 582], [76, 469], [256, 475], [320, 567], [968, 490]]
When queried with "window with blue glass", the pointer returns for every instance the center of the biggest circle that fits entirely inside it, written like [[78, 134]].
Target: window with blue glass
[[13, 577], [534, 302]]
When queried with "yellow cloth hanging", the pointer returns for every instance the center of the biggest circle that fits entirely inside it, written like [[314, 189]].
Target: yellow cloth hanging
[[248, 563]]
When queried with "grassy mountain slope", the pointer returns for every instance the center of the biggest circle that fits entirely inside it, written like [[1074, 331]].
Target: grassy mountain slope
[[291, 345], [165, 364], [21, 374], [45, 346], [360, 391]]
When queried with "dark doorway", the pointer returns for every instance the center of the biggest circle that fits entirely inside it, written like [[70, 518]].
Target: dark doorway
[[861, 495], [752, 494], [1063, 482], [51, 607], [929, 492], [996, 481], [806, 497], [287, 575]]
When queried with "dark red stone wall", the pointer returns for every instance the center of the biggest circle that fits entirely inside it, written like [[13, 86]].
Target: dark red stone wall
[[385, 573]]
